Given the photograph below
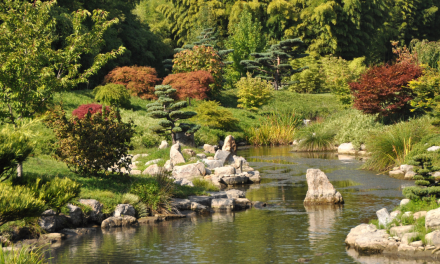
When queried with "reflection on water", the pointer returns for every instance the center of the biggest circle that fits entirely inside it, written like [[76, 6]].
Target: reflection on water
[[280, 233]]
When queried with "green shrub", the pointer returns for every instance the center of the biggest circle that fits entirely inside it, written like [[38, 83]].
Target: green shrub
[[310, 80], [422, 148], [18, 202], [315, 138], [253, 93], [94, 143], [156, 193], [15, 147], [134, 200], [23, 255], [151, 140], [112, 94], [390, 146], [211, 114]]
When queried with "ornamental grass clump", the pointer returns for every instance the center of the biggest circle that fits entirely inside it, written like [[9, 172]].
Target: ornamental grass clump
[[315, 138], [276, 128], [26, 254], [95, 144]]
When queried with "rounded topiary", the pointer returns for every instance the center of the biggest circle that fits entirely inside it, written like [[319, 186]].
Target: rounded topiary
[[112, 94]]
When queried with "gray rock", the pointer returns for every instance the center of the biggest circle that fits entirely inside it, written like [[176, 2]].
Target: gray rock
[[417, 215], [433, 148], [203, 200], [213, 164], [433, 238], [406, 168], [152, 162], [406, 237], [199, 208], [184, 182], [209, 148], [416, 244], [222, 171], [218, 195], [223, 204], [432, 219], [234, 180], [124, 209], [50, 222], [181, 204], [96, 214], [242, 203], [229, 144], [117, 221], [76, 217], [224, 156], [190, 171], [201, 156], [153, 170], [409, 175], [163, 144], [404, 202], [398, 174], [394, 214], [383, 216], [234, 194], [367, 238], [190, 152], [401, 230], [175, 156], [168, 166], [254, 176], [346, 148], [320, 190]]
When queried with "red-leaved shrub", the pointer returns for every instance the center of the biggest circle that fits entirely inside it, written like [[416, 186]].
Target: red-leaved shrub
[[82, 110], [190, 84], [384, 89], [140, 80]]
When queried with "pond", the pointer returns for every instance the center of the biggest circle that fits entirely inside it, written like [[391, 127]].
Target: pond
[[283, 232]]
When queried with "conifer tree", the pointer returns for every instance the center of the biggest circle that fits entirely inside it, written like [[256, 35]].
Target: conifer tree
[[170, 113], [273, 64]]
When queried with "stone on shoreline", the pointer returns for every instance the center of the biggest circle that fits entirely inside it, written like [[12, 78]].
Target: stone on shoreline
[[51, 222], [181, 204], [222, 171], [96, 214], [116, 221], [225, 156], [233, 194], [432, 219], [234, 179], [242, 203], [223, 204], [124, 209], [384, 217], [75, 215], [190, 171], [213, 164], [320, 190], [401, 230], [433, 238], [229, 144], [199, 208], [398, 174], [404, 202], [367, 238], [346, 148]]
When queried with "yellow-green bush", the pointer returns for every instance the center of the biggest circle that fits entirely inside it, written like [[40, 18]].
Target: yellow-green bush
[[18, 202], [112, 94], [253, 92], [211, 114], [310, 80]]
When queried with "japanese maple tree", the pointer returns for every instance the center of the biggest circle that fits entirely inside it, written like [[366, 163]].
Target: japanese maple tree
[[190, 84]]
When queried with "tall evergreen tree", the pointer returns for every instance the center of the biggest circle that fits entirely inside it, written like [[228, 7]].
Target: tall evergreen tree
[[273, 64]]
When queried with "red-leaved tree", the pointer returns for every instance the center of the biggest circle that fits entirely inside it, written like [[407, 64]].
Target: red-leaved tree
[[384, 89], [82, 110], [140, 80], [190, 84]]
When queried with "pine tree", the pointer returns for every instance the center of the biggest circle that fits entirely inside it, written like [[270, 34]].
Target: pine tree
[[166, 109], [273, 64]]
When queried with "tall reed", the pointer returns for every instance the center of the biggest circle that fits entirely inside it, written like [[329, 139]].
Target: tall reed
[[276, 128], [23, 255]]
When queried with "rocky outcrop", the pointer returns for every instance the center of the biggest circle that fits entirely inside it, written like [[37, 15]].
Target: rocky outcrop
[[432, 219], [222, 171], [346, 148], [320, 190], [225, 156], [229, 144], [75, 217], [199, 208], [163, 144], [181, 204], [190, 171], [96, 214], [117, 221], [233, 179], [234, 194], [124, 209], [209, 148], [212, 164], [367, 238], [175, 156], [51, 222], [223, 204]]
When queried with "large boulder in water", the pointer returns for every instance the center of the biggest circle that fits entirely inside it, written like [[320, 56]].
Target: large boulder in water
[[320, 190]]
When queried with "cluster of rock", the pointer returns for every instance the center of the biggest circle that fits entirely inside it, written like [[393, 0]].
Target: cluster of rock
[[401, 240], [350, 149], [320, 190], [404, 172]]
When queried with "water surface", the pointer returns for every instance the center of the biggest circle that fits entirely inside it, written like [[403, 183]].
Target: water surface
[[281, 233]]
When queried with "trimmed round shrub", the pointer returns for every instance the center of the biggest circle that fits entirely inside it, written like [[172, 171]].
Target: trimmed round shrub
[[112, 94], [253, 92]]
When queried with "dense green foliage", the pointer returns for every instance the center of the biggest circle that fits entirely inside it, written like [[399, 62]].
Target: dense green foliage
[[170, 113], [26, 254], [15, 147], [155, 193], [311, 79], [211, 114], [32, 69], [94, 144], [253, 93], [112, 94]]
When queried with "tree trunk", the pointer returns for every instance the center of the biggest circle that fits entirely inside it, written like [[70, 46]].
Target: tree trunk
[[173, 136], [19, 169]]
